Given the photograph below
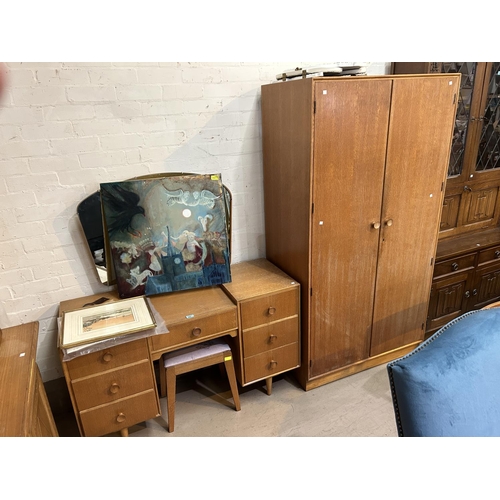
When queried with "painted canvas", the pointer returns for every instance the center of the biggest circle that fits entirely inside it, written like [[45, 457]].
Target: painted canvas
[[167, 233]]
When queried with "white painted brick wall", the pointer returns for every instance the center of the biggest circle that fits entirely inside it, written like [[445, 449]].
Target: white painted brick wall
[[66, 127]]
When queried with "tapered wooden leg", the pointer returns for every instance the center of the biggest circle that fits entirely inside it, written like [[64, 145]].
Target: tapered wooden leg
[[269, 385], [231, 375], [163, 383], [170, 379], [124, 432]]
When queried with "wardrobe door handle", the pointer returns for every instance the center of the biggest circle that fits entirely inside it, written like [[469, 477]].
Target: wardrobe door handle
[[376, 225], [389, 222]]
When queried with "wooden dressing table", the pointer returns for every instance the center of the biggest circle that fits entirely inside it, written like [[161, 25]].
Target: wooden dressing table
[[114, 388]]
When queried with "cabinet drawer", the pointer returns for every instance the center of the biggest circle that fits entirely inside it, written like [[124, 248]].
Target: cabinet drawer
[[110, 386], [194, 330], [454, 265], [108, 359], [271, 362], [269, 308], [271, 336], [120, 414], [489, 255]]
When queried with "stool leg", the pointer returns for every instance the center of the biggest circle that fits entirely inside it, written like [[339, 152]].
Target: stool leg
[[170, 376], [231, 375], [163, 382]]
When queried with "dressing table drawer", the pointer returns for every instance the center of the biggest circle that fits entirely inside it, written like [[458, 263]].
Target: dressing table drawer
[[108, 359], [192, 330], [271, 336], [272, 362], [269, 308], [120, 414], [112, 385]]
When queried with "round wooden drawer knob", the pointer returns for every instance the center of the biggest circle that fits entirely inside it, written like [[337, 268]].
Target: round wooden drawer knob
[[196, 332], [271, 311], [272, 338], [120, 418], [114, 388], [107, 357], [273, 364]]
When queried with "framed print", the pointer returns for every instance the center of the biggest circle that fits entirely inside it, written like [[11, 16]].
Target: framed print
[[167, 234], [113, 319]]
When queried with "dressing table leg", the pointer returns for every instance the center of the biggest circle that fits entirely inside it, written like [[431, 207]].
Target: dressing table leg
[[124, 432], [269, 385]]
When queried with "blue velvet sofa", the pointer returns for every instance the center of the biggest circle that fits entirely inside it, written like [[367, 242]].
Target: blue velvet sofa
[[450, 384]]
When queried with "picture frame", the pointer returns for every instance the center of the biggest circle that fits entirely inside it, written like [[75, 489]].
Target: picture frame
[[113, 319]]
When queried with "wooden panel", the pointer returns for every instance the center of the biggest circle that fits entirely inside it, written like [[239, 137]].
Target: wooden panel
[[271, 363], [113, 385], [175, 307], [256, 278], [449, 218], [269, 308], [287, 117], [108, 359], [422, 118], [120, 414], [480, 206], [486, 286], [287, 122], [17, 371], [193, 330], [468, 242], [349, 157], [270, 336], [455, 265], [43, 423], [448, 299]]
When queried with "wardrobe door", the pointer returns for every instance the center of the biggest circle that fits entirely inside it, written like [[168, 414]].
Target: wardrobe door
[[350, 135], [418, 149]]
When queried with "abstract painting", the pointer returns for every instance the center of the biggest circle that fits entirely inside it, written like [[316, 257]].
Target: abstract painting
[[167, 233]]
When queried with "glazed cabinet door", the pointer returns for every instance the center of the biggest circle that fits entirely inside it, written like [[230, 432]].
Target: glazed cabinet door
[[351, 123], [418, 149]]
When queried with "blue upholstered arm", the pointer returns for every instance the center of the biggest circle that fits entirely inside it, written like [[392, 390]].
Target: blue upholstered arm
[[450, 384]]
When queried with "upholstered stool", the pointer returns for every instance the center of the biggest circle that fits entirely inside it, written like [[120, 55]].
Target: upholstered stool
[[190, 359]]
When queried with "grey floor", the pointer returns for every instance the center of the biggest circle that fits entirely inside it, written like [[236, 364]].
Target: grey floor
[[357, 406]]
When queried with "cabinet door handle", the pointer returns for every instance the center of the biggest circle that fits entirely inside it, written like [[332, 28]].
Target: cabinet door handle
[[467, 294], [196, 332], [271, 311], [376, 225], [389, 222], [467, 189], [474, 292], [454, 266], [120, 418], [107, 357], [114, 388], [497, 254]]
